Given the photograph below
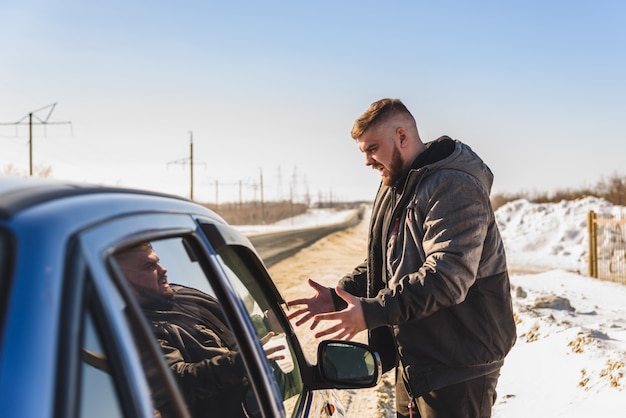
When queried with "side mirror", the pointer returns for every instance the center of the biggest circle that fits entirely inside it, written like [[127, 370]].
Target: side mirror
[[348, 364]]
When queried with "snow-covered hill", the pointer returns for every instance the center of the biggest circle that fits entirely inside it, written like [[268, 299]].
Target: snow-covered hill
[[548, 235]]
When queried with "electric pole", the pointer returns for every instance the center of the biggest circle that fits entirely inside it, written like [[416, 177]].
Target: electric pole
[[262, 198], [38, 121], [184, 161]]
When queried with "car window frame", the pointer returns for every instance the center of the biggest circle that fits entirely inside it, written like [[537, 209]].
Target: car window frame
[[100, 242], [7, 268], [82, 293], [219, 235], [237, 314]]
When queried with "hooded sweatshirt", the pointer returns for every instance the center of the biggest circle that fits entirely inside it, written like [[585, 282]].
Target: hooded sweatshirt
[[435, 277]]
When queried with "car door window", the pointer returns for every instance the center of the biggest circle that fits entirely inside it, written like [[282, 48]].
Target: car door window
[[115, 367], [245, 275], [175, 295], [98, 396]]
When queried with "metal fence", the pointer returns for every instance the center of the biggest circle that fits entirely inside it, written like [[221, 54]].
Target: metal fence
[[607, 246]]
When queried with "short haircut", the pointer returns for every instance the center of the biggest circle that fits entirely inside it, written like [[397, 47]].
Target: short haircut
[[142, 246], [379, 112]]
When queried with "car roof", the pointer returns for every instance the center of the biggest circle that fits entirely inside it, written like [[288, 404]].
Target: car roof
[[19, 193]]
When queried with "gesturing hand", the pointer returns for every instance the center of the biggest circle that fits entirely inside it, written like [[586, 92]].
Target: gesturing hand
[[350, 320], [321, 302], [272, 352]]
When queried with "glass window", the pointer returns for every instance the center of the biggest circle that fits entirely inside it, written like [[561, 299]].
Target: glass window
[[176, 297], [98, 397], [240, 267], [104, 385]]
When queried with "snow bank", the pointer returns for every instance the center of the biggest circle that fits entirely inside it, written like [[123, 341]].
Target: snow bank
[[548, 235], [569, 360]]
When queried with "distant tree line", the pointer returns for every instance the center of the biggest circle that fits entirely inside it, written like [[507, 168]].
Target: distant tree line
[[257, 213], [39, 171], [612, 189]]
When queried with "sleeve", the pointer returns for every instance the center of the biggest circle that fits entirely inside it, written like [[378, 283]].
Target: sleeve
[[354, 283], [221, 369]]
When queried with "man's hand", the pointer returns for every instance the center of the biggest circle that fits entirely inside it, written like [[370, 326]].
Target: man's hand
[[321, 302], [272, 351], [351, 319]]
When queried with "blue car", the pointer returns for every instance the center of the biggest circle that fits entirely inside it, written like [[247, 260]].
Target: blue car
[[195, 328]]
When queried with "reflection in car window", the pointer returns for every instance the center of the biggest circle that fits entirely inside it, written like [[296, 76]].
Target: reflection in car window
[[102, 378], [98, 397], [264, 317], [188, 323]]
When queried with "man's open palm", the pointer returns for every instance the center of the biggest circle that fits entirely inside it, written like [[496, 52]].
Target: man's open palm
[[320, 302]]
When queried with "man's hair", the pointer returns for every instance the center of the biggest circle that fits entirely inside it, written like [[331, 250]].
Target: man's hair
[[379, 112], [142, 246]]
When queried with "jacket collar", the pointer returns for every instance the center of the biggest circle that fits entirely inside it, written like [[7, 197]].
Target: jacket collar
[[435, 151]]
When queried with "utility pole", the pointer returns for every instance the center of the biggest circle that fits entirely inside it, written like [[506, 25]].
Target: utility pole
[[38, 121], [262, 198], [191, 165], [184, 161], [240, 199]]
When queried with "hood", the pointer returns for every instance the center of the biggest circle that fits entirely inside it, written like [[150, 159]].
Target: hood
[[464, 159]]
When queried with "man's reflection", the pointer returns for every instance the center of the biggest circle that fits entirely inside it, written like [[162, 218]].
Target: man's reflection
[[192, 332]]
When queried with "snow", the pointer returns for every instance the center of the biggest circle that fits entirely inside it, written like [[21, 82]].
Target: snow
[[549, 235], [312, 218], [569, 359]]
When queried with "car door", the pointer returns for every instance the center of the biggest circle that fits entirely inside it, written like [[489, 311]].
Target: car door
[[265, 306], [192, 264], [104, 370]]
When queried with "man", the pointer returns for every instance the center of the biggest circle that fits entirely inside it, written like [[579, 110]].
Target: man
[[193, 334], [435, 273]]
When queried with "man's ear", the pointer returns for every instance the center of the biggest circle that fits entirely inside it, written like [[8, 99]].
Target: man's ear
[[402, 137]]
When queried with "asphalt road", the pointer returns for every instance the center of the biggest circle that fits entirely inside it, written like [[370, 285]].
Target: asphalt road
[[276, 246]]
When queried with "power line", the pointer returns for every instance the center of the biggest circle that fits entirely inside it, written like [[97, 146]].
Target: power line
[[30, 123]]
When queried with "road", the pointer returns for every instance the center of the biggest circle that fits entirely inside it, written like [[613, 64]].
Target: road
[[276, 246]]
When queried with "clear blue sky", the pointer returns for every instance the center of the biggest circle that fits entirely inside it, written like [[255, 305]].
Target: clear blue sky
[[537, 88]]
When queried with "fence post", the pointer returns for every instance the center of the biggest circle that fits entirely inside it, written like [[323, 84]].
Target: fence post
[[592, 229]]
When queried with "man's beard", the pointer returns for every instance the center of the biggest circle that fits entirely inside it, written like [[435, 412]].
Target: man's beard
[[395, 168], [148, 297]]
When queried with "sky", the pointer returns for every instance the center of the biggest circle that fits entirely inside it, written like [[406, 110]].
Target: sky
[[268, 91]]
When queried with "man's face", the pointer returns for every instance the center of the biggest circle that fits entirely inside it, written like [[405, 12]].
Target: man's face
[[382, 154], [144, 272]]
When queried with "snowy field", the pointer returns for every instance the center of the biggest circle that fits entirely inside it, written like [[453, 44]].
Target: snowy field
[[569, 359]]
